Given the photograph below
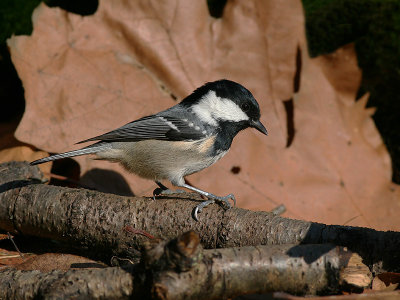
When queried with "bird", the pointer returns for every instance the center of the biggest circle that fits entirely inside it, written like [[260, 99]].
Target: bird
[[181, 140]]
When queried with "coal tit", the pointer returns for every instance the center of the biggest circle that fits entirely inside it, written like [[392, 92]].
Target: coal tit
[[181, 140]]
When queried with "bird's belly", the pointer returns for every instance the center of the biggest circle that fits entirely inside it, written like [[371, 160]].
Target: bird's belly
[[158, 160]]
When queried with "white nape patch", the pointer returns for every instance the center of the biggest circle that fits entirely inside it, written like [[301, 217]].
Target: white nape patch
[[212, 108], [170, 124]]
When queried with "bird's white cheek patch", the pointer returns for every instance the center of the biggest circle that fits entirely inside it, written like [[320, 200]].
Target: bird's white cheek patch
[[229, 111], [203, 111], [212, 108]]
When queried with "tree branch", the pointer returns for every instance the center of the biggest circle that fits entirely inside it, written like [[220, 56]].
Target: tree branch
[[186, 272], [108, 283], [181, 269], [96, 220]]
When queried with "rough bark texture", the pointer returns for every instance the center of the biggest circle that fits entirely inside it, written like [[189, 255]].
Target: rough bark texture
[[109, 283], [94, 219], [186, 272], [181, 269]]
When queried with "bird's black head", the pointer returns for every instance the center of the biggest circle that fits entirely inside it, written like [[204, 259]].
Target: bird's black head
[[225, 101]]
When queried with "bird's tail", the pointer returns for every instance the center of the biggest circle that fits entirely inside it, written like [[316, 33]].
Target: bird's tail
[[87, 150]]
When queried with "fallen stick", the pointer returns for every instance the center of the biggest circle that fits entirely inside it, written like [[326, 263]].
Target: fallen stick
[[181, 269], [96, 220], [107, 283], [187, 272]]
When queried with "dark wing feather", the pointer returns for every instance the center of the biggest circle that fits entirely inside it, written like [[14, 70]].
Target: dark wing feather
[[152, 127]]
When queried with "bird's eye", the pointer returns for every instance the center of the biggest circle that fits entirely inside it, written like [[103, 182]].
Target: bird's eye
[[245, 107]]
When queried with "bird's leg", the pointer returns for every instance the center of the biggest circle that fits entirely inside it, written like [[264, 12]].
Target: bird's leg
[[212, 198], [163, 190]]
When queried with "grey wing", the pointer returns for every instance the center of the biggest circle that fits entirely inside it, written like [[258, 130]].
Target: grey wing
[[153, 127]]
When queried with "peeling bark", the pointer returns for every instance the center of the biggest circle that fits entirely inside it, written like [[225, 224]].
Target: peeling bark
[[96, 220]]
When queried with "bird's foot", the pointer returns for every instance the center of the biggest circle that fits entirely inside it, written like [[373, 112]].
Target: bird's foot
[[160, 191], [212, 199]]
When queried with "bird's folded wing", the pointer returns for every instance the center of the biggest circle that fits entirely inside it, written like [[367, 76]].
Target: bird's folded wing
[[154, 127]]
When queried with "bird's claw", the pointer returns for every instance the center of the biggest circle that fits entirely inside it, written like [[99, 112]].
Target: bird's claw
[[223, 200], [157, 192], [200, 207], [226, 200]]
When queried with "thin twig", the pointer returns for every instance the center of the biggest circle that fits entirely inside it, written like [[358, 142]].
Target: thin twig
[[351, 219], [277, 211], [130, 229], [15, 245], [9, 256]]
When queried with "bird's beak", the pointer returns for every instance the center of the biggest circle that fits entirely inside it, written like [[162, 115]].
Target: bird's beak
[[259, 126]]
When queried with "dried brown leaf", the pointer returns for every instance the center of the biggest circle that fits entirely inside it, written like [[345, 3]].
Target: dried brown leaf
[[23, 153], [387, 281], [57, 261], [87, 75]]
